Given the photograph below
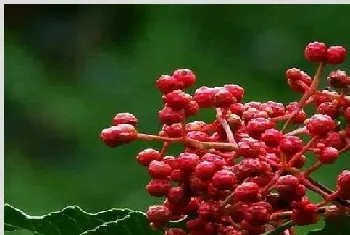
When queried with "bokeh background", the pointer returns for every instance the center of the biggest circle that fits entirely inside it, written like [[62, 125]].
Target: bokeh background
[[70, 68]]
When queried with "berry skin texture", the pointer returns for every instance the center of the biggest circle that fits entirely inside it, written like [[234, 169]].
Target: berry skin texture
[[146, 156], [171, 116], [177, 99], [272, 137], [319, 124], [294, 74], [236, 91], [177, 196], [118, 135], [290, 145], [328, 156], [224, 179], [247, 192], [125, 118], [205, 170], [258, 214], [204, 97], [185, 77], [223, 98], [343, 185], [158, 214], [159, 169], [336, 55], [167, 84], [304, 213], [158, 187], [188, 162], [174, 231], [315, 52]]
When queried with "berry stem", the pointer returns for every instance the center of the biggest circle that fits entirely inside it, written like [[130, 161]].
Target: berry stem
[[327, 190], [301, 130], [287, 214], [266, 189], [306, 147], [280, 228], [190, 142], [311, 169], [314, 85], [164, 148], [224, 124]]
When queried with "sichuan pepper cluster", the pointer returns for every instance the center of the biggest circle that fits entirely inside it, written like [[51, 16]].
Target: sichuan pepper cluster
[[240, 174]]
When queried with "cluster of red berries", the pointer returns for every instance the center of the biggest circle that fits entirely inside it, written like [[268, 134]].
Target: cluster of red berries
[[239, 174]]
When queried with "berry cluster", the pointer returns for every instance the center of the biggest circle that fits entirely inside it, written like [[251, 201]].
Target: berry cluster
[[240, 174]]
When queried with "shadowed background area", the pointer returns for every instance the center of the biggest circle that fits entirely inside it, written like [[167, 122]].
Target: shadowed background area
[[70, 68]]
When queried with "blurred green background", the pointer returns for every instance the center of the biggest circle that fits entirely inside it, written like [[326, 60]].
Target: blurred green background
[[70, 68]]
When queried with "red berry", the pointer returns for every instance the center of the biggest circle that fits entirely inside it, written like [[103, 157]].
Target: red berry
[[319, 124], [177, 175], [167, 84], [159, 169], [289, 188], [328, 156], [117, 135], [251, 167], [205, 170], [328, 108], [188, 161], [299, 162], [158, 214], [223, 98], [272, 137], [194, 224], [192, 108], [315, 52], [300, 117], [237, 108], [338, 79], [236, 91], [249, 147], [336, 55], [174, 231], [304, 213], [247, 192], [178, 196], [257, 126], [290, 145], [177, 99], [217, 160], [294, 74], [124, 118], [335, 140], [170, 116], [158, 187], [258, 214], [204, 97], [224, 179], [185, 76], [173, 131], [343, 184], [198, 135], [146, 156]]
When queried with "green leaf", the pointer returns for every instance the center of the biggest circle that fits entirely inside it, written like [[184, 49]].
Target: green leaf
[[134, 223], [340, 226], [71, 220]]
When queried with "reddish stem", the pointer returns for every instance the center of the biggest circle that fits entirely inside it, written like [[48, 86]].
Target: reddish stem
[[299, 154], [314, 85], [311, 169], [224, 124]]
